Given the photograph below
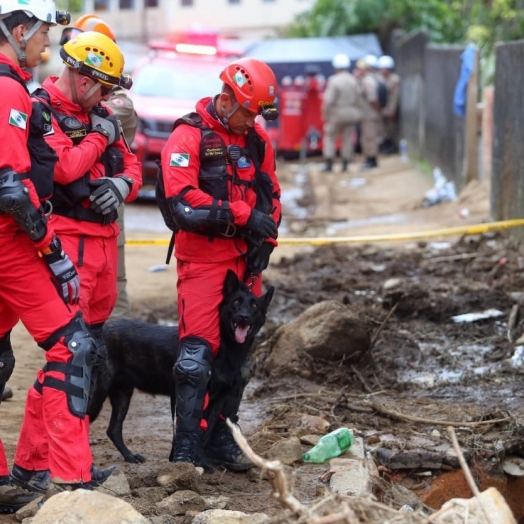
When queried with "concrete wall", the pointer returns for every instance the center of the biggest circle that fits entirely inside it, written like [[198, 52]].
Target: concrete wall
[[246, 19]]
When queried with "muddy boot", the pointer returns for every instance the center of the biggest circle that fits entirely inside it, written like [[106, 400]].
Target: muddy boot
[[37, 481], [187, 447], [223, 450], [12, 497], [370, 163], [59, 487], [7, 393], [328, 166], [99, 476], [345, 164]]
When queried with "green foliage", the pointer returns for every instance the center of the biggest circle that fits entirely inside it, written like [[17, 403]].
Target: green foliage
[[482, 22], [346, 17]]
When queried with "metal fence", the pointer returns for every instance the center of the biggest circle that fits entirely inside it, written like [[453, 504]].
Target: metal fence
[[410, 64], [429, 75], [443, 130], [507, 181]]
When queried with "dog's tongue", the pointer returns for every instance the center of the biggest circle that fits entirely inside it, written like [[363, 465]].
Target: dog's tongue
[[241, 333]]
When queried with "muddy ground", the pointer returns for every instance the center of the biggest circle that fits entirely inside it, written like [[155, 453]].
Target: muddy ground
[[424, 367]]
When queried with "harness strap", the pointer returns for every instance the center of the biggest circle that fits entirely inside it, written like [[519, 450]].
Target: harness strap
[[69, 329], [61, 385]]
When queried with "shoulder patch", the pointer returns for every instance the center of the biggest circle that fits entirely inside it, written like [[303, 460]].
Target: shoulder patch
[[18, 119], [179, 160]]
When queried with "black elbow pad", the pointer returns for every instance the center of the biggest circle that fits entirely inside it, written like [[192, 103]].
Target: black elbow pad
[[15, 200], [204, 218]]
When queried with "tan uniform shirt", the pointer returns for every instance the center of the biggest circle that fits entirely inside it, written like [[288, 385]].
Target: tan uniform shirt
[[393, 84], [123, 108], [369, 85], [342, 102]]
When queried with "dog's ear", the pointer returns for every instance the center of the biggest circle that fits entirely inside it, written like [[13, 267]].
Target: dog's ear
[[267, 297], [232, 283]]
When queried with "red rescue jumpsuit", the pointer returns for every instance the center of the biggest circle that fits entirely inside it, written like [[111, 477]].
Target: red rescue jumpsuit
[[91, 246], [51, 436], [202, 263]]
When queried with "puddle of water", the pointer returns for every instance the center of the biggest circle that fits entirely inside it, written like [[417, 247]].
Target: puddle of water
[[461, 361]]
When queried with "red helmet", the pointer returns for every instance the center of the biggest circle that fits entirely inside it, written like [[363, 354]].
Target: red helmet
[[253, 83]]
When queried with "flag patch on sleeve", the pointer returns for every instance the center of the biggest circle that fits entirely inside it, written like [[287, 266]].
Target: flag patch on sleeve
[[179, 160], [18, 119]]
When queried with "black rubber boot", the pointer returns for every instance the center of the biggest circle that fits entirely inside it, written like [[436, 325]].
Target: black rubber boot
[[328, 166], [6, 393], [370, 163], [345, 164], [37, 481], [223, 450], [187, 447], [99, 476], [12, 497], [57, 487]]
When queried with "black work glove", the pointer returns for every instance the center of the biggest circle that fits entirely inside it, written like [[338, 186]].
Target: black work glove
[[109, 127], [63, 270], [262, 224], [110, 193], [258, 258]]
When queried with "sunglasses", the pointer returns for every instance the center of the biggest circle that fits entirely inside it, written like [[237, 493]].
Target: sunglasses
[[106, 90]]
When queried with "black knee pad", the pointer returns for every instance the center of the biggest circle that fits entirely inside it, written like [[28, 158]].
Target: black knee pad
[[79, 369], [191, 374]]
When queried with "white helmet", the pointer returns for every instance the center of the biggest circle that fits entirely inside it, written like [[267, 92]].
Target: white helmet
[[44, 10], [386, 62], [370, 60], [340, 61]]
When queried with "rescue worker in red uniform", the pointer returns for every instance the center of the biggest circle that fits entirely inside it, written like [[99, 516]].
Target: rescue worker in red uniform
[[93, 174], [39, 283], [209, 179], [95, 171], [122, 106]]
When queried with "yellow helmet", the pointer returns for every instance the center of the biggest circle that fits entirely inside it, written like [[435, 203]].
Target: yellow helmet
[[97, 56]]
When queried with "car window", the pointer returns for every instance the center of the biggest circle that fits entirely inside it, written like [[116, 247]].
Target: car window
[[179, 81]]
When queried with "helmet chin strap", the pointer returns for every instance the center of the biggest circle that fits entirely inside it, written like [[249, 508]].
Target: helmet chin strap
[[20, 49], [74, 92], [227, 115]]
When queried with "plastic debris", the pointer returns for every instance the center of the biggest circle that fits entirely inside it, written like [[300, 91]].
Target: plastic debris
[[481, 315], [442, 190]]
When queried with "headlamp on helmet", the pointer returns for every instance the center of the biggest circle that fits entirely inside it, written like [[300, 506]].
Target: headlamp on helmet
[[269, 113], [63, 17]]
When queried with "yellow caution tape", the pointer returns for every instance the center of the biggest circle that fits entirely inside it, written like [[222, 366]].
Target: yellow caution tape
[[473, 229]]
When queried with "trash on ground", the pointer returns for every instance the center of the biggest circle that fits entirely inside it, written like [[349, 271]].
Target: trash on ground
[[156, 269], [481, 315], [442, 190]]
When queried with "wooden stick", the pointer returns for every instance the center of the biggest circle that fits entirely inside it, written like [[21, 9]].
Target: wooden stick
[[381, 327], [276, 477], [469, 479], [400, 416]]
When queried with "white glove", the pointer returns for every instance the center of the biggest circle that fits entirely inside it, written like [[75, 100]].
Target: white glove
[[109, 127], [110, 193]]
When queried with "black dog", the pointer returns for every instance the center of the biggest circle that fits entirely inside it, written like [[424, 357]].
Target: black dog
[[142, 355]]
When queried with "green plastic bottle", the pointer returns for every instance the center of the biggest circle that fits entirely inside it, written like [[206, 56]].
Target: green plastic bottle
[[331, 445]]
